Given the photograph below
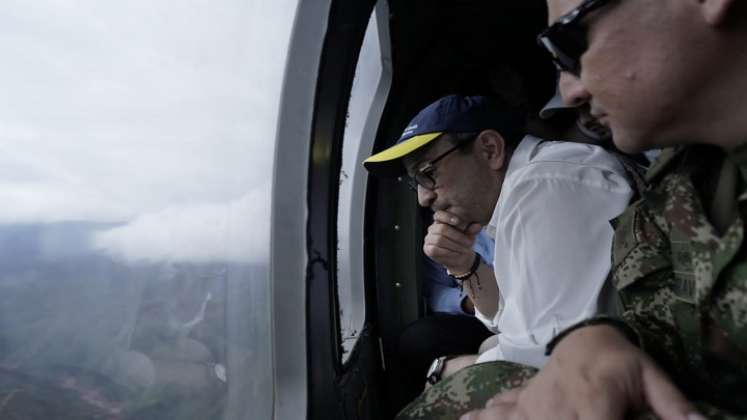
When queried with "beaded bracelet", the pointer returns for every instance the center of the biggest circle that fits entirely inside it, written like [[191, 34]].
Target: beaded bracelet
[[470, 273]]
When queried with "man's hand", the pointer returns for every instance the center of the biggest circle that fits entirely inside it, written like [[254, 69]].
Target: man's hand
[[449, 242], [594, 373]]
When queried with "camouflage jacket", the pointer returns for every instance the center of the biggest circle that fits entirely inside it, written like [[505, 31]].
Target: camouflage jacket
[[682, 282]]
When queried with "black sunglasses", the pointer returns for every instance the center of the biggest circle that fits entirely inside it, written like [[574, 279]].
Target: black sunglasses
[[566, 39], [424, 176]]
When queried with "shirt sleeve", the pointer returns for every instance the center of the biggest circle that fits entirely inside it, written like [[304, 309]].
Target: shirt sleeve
[[441, 291], [644, 274], [484, 246], [553, 252]]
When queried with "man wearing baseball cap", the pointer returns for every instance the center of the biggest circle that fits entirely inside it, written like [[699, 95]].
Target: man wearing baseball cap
[[547, 206]]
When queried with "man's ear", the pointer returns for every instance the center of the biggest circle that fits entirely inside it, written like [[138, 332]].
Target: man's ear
[[716, 12], [492, 146]]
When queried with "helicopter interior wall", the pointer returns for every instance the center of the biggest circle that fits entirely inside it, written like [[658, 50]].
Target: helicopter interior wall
[[335, 391], [438, 48]]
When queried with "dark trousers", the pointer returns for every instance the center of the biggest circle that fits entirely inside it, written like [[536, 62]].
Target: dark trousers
[[436, 335]]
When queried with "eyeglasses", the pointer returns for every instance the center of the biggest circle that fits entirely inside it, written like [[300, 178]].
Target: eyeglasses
[[566, 39], [424, 176]]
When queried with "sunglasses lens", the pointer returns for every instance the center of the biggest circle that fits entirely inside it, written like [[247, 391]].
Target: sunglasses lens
[[572, 43], [566, 44]]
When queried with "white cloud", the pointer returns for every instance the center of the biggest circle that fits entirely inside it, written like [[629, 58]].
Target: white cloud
[[116, 109], [219, 232], [33, 202]]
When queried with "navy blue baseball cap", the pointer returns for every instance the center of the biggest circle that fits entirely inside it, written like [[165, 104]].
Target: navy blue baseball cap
[[450, 114]]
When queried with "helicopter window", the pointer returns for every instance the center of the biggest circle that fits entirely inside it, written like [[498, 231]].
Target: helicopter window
[[137, 144], [370, 88]]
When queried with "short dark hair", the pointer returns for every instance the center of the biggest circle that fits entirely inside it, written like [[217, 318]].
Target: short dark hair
[[464, 140]]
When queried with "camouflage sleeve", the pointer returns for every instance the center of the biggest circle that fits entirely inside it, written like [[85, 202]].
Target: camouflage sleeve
[[642, 273], [466, 390], [660, 341], [471, 387], [656, 270]]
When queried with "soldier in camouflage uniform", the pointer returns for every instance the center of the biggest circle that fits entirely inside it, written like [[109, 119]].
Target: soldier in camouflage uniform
[[652, 69]]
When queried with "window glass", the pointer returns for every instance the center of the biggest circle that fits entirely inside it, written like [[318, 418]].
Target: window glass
[[367, 97], [136, 144]]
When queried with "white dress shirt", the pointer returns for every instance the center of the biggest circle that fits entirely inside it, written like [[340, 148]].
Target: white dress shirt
[[553, 242]]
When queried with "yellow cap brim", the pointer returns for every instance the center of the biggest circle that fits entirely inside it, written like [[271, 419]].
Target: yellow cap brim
[[387, 162]]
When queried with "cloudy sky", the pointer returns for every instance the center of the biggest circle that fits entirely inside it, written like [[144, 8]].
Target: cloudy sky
[[156, 114]]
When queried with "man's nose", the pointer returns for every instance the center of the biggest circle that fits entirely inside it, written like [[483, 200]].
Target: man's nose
[[572, 90], [425, 196]]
